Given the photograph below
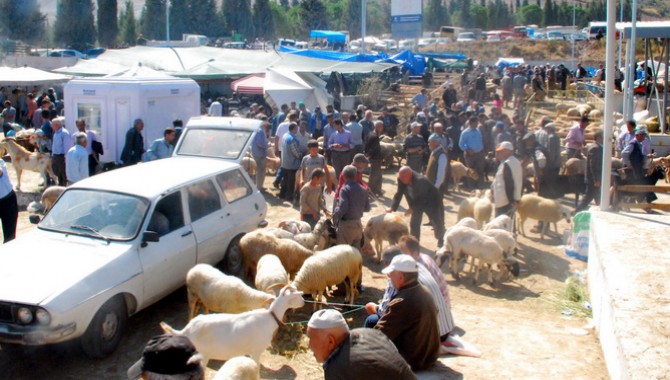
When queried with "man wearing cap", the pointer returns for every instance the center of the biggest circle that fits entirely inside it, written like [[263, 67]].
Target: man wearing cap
[[437, 170], [593, 172], [574, 141], [317, 121], [507, 181], [353, 354], [422, 197], [414, 147], [409, 320], [340, 144], [353, 201], [168, 357], [390, 122], [472, 145]]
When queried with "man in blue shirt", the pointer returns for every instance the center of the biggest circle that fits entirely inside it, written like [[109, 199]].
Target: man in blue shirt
[[76, 165], [62, 142], [9, 208], [472, 145], [259, 151], [291, 159], [161, 148], [317, 122], [341, 144], [421, 99]]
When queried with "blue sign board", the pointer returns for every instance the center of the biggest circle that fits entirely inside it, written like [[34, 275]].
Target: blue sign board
[[406, 18]]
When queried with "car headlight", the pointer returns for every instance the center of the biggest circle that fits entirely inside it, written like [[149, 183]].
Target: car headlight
[[24, 315], [43, 317]]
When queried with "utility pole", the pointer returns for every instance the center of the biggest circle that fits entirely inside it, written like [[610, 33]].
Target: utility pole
[[167, 20], [363, 19]]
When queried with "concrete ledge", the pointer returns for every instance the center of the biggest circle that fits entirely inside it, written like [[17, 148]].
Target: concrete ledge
[[628, 272]]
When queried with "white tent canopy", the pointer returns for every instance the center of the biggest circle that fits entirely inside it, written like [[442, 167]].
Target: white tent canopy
[[28, 76], [283, 86]]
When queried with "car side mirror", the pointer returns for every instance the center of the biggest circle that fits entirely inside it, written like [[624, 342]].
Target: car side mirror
[[150, 236], [34, 219]]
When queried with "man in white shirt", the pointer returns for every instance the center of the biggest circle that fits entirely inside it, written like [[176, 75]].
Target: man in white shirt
[[76, 160], [216, 108]]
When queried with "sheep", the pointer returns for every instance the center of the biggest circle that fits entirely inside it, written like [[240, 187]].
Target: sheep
[[255, 244], [389, 227], [386, 139], [575, 166], [49, 197], [270, 274], [249, 164], [573, 113], [273, 162], [279, 233], [239, 368], [330, 267], [458, 171], [546, 210], [483, 209], [295, 226], [562, 108], [467, 206], [225, 336], [505, 239], [315, 240], [214, 291], [595, 114], [500, 222], [467, 241], [388, 152]]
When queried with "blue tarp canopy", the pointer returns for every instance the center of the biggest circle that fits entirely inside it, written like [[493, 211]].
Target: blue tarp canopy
[[335, 55], [456, 56], [329, 35], [509, 62], [416, 64]]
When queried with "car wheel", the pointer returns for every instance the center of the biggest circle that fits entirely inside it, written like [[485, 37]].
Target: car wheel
[[106, 329], [233, 262]]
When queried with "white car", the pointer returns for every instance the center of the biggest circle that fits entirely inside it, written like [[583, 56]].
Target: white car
[[117, 242], [466, 37]]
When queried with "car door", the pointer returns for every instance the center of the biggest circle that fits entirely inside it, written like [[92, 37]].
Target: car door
[[211, 225], [240, 200], [166, 262]]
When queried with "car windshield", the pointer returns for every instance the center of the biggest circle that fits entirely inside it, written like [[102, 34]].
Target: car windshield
[[213, 142], [99, 214]]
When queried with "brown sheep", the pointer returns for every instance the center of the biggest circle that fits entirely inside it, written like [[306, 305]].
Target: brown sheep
[[389, 227], [254, 245]]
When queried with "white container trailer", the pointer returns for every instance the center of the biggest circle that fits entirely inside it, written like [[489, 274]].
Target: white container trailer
[[111, 104]]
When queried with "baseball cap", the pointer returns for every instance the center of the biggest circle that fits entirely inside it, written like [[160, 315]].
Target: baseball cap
[[500, 124], [166, 355], [505, 145], [300, 104], [327, 319], [641, 130], [360, 157], [402, 263], [434, 137]]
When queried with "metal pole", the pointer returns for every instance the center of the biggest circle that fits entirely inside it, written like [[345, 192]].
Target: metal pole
[[620, 39], [574, 31], [167, 20], [609, 106], [633, 61], [627, 91], [363, 19], [664, 112]]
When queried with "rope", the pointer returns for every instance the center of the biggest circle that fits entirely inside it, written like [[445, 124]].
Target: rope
[[357, 308]]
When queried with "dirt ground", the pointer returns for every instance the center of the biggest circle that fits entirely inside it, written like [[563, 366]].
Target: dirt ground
[[517, 326]]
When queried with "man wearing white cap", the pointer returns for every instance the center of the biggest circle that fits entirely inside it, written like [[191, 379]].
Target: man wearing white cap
[[409, 320], [507, 181], [357, 354]]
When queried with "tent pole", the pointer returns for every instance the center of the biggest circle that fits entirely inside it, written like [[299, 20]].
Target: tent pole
[[610, 63]]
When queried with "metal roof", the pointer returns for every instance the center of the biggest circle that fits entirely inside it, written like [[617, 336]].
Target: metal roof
[[645, 29]]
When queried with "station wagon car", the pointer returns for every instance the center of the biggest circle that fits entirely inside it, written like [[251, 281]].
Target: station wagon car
[[117, 242]]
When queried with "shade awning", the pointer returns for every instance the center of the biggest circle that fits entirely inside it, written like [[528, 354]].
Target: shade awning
[[28, 76], [252, 84]]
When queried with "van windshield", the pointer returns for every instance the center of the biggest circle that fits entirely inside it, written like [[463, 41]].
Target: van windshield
[[96, 213], [213, 142]]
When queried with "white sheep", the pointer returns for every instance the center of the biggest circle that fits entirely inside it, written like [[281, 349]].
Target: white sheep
[[500, 222], [270, 274], [546, 210], [458, 171], [483, 249], [389, 227], [483, 209], [279, 233], [467, 206], [239, 368], [215, 291], [249, 164], [341, 263], [315, 240], [257, 243], [295, 226], [225, 336]]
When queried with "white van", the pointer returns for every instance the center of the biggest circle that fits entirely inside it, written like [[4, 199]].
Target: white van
[[119, 241]]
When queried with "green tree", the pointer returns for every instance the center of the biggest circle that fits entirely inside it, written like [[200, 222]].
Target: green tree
[[204, 18], [530, 14], [280, 21], [238, 17], [436, 15], [152, 20], [312, 14], [74, 24], [335, 10], [263, 20], [180, 18], [379, 17], [22, 20], [128, 25], [479, 16], [284, 4], [464, 18], [108, 26], [352, 18], [549, 17]]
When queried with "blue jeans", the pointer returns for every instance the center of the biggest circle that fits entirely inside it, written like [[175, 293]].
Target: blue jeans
[[371, 320]]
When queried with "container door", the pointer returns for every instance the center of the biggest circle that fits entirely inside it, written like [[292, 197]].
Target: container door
[[120, 121]]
